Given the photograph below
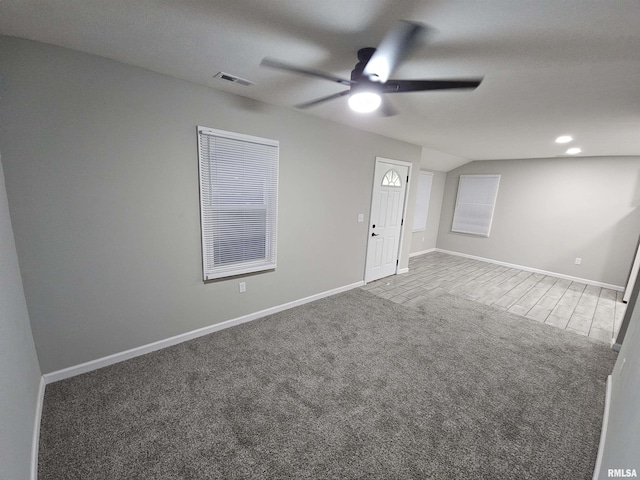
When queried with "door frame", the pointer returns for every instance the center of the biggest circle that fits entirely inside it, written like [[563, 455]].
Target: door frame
[[405, 202]]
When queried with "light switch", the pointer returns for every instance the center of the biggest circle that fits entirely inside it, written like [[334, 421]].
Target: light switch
[[360, 217]]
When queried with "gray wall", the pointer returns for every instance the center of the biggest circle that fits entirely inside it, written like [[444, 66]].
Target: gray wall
[[550, 211], [101, 168], [426, 240], [622, 438], [19, 371]]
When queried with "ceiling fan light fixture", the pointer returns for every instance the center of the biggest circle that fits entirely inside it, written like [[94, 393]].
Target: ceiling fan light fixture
[[364, 102]]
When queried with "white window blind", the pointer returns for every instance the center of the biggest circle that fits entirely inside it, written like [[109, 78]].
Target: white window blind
[[475, 204], [238, 202], [421, 209]]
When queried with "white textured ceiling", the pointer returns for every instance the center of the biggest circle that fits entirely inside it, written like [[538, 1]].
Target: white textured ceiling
[[550, 67]]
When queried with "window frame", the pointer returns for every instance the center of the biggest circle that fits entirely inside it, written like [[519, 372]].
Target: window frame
[[491, 196], [269, 261], [421, 211]]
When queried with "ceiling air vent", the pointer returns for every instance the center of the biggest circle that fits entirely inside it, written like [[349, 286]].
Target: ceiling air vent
[[232, 78]]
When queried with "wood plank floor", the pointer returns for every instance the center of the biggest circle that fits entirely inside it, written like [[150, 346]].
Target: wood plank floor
[[576, 307]]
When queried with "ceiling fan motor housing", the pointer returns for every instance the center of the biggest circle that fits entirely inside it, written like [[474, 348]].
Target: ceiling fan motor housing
[[364, 55]]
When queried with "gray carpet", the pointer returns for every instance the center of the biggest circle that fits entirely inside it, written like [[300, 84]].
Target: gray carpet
[[351, 386]]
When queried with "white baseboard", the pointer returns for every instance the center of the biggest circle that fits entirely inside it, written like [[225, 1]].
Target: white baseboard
[[421, 252], [535, 270], [35, 441], [183, 337], [402, 270], [605, 424]]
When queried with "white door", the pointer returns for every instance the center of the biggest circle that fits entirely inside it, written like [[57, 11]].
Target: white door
[[385, 223]]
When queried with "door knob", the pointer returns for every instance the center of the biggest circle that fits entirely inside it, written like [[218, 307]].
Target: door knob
[[375, 235]]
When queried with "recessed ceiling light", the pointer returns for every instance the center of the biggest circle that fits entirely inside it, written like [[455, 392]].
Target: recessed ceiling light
[[564, 139], [574, 151], [232, 78]]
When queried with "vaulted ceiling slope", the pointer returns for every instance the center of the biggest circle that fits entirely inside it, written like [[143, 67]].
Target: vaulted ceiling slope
[[550, 67]]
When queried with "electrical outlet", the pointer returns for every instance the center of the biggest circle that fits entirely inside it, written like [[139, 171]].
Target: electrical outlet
[[578, 261], [242, 286]]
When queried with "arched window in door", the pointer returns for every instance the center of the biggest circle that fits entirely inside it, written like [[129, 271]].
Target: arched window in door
[[391, 179]]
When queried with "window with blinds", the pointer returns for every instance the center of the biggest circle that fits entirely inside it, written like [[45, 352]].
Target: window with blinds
[[421, 210], [238, 202], [475, 204]]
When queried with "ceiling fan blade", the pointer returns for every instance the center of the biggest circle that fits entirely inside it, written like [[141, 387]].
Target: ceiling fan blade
[[400, 86], [387, 109], [271, 63], [323, 99], [395, 46]]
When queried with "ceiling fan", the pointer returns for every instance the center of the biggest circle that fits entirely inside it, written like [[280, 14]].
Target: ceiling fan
[[370, 77]]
